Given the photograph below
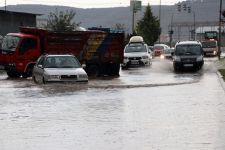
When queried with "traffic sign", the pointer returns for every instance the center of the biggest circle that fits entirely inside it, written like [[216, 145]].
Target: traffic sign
[[135, 5]]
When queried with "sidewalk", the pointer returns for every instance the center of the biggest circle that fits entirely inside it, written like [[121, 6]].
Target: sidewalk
[[220, 65]]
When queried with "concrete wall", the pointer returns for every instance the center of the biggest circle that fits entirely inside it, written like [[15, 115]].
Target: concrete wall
[[11, 21]]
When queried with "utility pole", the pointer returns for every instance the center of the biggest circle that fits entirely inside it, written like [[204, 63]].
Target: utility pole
[[171, 31], [160, 7], [220, 24], [133, 15], [194, 31], [5, 5]]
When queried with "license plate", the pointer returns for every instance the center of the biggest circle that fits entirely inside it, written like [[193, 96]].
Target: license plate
[[188, 65], [134, 62]]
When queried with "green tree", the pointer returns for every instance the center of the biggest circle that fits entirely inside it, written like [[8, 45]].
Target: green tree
[[149, 27], [62, 21]]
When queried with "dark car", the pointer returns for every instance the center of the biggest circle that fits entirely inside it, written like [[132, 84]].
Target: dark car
[[188, 54]]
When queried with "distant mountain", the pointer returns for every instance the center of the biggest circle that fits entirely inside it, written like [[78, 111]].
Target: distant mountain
[[205, 10]]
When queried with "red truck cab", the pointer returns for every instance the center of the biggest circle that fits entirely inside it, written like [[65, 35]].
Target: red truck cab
[[19, 53]]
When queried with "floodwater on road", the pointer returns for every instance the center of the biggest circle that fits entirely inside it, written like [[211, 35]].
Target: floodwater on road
[[150, 108]]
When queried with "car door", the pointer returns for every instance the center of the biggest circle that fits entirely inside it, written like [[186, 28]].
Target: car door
[[29, 51], [39, 69]]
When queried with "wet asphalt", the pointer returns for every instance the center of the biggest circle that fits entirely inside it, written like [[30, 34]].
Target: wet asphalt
[[147, 108]]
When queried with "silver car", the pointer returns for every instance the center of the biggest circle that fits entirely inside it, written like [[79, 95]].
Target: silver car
[[53, 68]]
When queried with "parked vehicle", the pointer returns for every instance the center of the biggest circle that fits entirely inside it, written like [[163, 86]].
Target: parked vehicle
[[101, 52], [52, 68], [188, 54], [167, 53], [210, 47], [159, 48], [136, 53]]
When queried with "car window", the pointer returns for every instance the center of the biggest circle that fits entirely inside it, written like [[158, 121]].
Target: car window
[[159, 47], [136, 47], [40, 61], [209, 44], [61, 62], [28, 44]]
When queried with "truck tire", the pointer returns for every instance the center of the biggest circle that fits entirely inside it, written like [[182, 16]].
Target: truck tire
[[115, 69], [13, 74], [93, 70]]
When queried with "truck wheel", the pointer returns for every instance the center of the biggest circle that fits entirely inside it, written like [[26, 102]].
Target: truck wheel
[[13, 74], [93, 70], [115, 69]]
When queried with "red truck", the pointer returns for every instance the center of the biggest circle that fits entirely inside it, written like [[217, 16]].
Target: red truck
[[101, 52]]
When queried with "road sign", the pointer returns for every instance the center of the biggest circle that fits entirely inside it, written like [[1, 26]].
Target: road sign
[[135, 5]]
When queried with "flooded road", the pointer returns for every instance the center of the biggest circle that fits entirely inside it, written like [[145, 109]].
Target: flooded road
[[150, 108]]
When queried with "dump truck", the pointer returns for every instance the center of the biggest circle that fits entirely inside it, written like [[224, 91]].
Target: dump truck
[[100, 52]]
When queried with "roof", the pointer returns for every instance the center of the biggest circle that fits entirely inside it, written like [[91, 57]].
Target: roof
[[59, 55], [188, 43], [20, 13], [207, 28], [22, 35]]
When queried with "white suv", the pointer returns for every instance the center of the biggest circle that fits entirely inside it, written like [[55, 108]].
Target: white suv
[[136, 53]]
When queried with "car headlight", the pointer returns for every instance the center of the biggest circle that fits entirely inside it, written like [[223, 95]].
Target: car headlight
[[83, 76], [199, 58], [144, 57], [176, 58], [54, 76], [162, 56]]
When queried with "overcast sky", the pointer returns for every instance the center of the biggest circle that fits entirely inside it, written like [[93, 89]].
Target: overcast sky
[[86, 3]]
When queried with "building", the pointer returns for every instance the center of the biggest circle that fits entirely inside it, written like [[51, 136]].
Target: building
[[11, 21]]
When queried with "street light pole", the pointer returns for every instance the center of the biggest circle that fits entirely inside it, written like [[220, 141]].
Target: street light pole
[[171, 30], [220, 24], [194, 31], [5, 5], [133, 16], [160, 6]]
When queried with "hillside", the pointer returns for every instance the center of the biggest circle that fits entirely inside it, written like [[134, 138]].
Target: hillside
[[205, 10]]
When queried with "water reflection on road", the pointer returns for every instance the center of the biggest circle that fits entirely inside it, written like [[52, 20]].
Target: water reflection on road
[[137, 111]]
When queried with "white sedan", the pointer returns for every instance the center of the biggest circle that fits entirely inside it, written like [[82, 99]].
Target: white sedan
[[54, 68]]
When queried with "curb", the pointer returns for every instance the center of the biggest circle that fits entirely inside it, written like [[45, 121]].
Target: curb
[[221, 80]]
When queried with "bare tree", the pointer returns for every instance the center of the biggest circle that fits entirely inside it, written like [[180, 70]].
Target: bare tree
[[62, 21]]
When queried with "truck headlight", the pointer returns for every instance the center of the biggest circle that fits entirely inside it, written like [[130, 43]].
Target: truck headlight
[[176, 58], [199, 58]]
